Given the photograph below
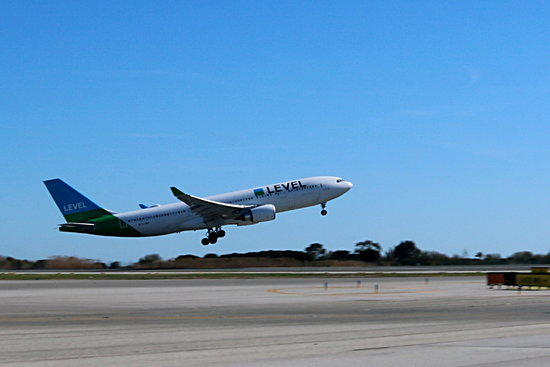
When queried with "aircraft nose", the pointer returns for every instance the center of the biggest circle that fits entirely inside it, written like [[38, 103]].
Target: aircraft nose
[[349, 185]]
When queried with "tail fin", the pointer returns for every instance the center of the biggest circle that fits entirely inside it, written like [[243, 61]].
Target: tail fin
[[74, 206]]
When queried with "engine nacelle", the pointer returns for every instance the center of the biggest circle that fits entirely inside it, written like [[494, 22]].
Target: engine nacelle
[[262, 213]]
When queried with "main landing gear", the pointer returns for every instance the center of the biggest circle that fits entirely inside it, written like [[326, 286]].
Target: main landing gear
[[212, 236], [323, 212]]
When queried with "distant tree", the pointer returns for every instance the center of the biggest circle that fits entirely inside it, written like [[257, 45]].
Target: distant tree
[[433, 258], [523, 257], [298, 255], [368, 250], [114, 265], [406, 252], [150, 259], [544, 259], [367, 245], [339, 255], [389, 255], [315, 251], [13, 263], [73, 262], [493, 259], [39, 264], [479, 255], [210, 256], [181, 257]]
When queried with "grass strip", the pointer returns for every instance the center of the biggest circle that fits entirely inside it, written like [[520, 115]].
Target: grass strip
[[228, 275]]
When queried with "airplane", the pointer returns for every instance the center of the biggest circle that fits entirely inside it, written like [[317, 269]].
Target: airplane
[[245, 207]]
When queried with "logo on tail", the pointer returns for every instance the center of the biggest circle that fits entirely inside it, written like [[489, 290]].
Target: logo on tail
[[74, 206]]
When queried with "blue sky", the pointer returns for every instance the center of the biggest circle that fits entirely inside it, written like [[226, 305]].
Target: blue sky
[[437, 111]]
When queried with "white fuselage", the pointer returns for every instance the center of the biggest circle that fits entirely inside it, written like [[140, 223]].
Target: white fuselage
[[177, 217]]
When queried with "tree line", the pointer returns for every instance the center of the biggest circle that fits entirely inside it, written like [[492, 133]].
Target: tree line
[[364, 253], [407, 253]]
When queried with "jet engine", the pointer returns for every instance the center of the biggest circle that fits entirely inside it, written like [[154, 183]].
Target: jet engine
[[262, 213]]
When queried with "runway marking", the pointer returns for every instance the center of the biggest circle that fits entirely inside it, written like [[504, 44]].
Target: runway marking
[[360, 291]]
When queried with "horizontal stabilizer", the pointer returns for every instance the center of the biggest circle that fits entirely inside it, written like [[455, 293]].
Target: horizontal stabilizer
[[143, 206], [76, 227]]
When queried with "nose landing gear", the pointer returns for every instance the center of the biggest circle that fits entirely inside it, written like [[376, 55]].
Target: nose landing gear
[[212, 236], [323, 212]]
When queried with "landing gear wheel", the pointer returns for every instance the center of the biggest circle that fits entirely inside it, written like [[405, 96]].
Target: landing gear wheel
[[212, 237], [324, 212]]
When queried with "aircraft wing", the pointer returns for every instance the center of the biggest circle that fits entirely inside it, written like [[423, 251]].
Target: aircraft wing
[[213, 212]]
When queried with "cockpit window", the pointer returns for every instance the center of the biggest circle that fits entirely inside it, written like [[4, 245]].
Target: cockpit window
[[339, 180]]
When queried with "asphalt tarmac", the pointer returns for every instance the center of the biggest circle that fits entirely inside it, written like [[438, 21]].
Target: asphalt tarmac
[[272, 322]]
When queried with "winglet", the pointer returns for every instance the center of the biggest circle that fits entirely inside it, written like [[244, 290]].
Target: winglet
[[176, 192], [187, 199]]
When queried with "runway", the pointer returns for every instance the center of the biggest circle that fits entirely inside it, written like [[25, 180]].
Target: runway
[[272, 322]]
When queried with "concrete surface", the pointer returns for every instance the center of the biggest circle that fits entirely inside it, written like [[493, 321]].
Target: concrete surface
[[272, 322]]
